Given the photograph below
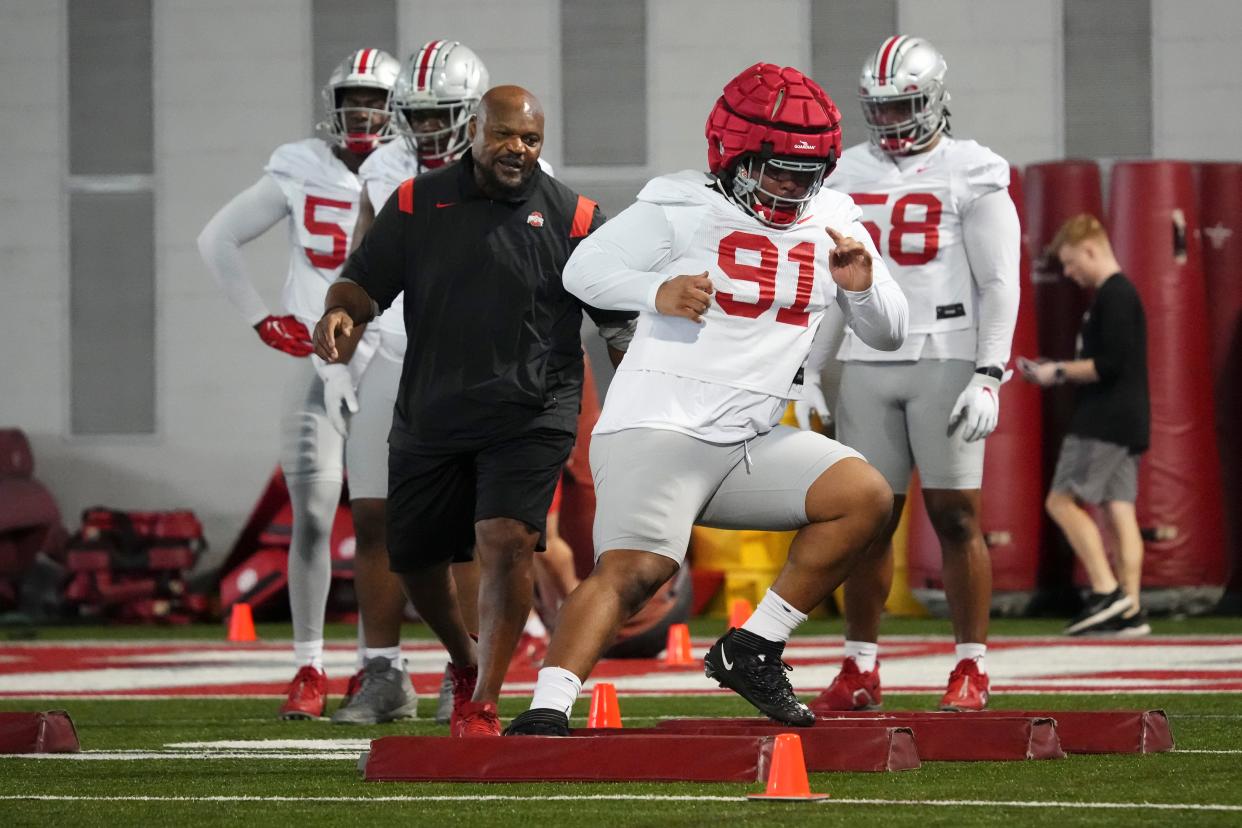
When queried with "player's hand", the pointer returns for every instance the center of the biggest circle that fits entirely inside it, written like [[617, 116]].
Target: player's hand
[[335, 324], [812, 400], [977, 409], [849, 262], [687, 296], [338, 396], [287, 334]]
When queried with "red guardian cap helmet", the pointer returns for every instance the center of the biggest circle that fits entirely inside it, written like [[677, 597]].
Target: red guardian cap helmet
[[772, 121]]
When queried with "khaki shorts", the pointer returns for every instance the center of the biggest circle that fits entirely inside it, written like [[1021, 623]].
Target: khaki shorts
[[652, 485], [1095, 471]]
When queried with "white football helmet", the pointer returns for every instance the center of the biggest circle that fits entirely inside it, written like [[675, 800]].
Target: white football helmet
[[442, 75], [902, 93], [364, 69]]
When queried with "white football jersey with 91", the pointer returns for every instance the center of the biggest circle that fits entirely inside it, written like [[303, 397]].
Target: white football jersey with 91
[[323, 208], [913, 206]]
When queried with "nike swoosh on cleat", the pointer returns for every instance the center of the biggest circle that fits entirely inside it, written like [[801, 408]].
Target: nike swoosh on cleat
[[724, 658]]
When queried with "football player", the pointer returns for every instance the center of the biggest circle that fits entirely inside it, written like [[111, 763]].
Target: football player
[[433, 98], [314, 185], [731, 272], [939, 211]]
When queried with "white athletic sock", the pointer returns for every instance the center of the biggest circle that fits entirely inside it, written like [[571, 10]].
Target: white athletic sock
[[774, 619], [308, 652], [393, 654], [534, 626], [864, 654], [974, 651], [556, 689]]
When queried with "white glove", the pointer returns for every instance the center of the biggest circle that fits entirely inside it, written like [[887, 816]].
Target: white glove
[[812, 400], [338, 393], [977, 408]]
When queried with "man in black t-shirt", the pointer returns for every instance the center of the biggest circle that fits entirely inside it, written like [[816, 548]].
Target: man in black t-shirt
[[1109, 429], [487, 408]]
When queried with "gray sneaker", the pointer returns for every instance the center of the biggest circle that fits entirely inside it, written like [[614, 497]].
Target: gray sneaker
[[386, 695], [444, 706]]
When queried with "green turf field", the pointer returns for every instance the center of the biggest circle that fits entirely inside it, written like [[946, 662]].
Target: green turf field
[[191, 790]]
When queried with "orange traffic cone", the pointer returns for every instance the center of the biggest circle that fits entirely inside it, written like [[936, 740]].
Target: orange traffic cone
[[739, 612], [605, 712], [241, 623], [787, 776], [678, 652]]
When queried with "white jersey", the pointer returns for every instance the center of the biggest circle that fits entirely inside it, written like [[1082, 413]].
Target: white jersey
[[381, 174], [727, 378], [913, 207], [323, 196]]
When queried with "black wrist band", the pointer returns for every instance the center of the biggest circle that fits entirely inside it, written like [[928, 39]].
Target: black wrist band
[[992, 371]]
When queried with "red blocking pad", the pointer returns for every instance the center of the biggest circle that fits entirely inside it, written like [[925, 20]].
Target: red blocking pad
[[629, 758], [940, 737], [866, 748], [1154, 226], [1115, 731], [51, 732]]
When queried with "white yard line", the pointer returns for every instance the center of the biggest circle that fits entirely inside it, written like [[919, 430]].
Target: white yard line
[[943, 803]]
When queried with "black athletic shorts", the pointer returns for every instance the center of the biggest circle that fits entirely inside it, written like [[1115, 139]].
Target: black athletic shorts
[[434, 500]]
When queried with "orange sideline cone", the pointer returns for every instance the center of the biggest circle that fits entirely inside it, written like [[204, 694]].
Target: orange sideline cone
[[739, 612], [678, 652], [605, 712], [787, 776], [241, 624]]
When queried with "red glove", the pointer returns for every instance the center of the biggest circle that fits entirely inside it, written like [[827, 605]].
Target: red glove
[[286, 333]]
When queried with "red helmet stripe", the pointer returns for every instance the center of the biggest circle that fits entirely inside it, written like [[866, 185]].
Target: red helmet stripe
[[363, 57], [883, 69], [425, 62]]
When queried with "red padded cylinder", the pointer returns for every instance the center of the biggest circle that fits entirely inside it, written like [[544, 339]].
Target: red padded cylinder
[[1012, 519], [1154, 224], [1220, 217], [1055, 192]]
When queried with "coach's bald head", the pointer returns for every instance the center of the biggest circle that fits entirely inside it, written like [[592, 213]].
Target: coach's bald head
[[506, 137]]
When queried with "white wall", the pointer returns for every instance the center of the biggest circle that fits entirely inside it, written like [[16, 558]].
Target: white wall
[[1005, 60], [1196, 82], [232, 81]]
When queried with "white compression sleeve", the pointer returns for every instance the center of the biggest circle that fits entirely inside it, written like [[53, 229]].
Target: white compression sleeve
[[993, 241], [250, 214], [880, 314], [612, 268]]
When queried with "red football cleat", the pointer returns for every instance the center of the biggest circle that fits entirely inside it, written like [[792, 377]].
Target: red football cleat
[[307, 695], [464, 679], [852, 689], [968, 688], [355, 682], [476, 719]]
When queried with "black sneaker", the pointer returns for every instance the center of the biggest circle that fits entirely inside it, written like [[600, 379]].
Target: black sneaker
[[751, 666], [1125, 626], [1099, 609], [539, 722]]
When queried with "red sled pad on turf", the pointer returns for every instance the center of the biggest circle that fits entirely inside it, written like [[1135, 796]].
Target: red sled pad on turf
[[941, 737], [863, 749], [51, 732], [642, 758]]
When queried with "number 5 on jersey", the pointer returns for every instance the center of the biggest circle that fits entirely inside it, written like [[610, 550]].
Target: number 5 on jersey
[[904, 222]]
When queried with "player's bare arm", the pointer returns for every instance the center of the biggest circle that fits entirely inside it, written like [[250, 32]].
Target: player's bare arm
[[688, 296], [849, 262], [348, 306]]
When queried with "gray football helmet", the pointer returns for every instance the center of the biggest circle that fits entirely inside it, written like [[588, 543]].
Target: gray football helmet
[[434, 97], [359, 129], [903, 98]]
